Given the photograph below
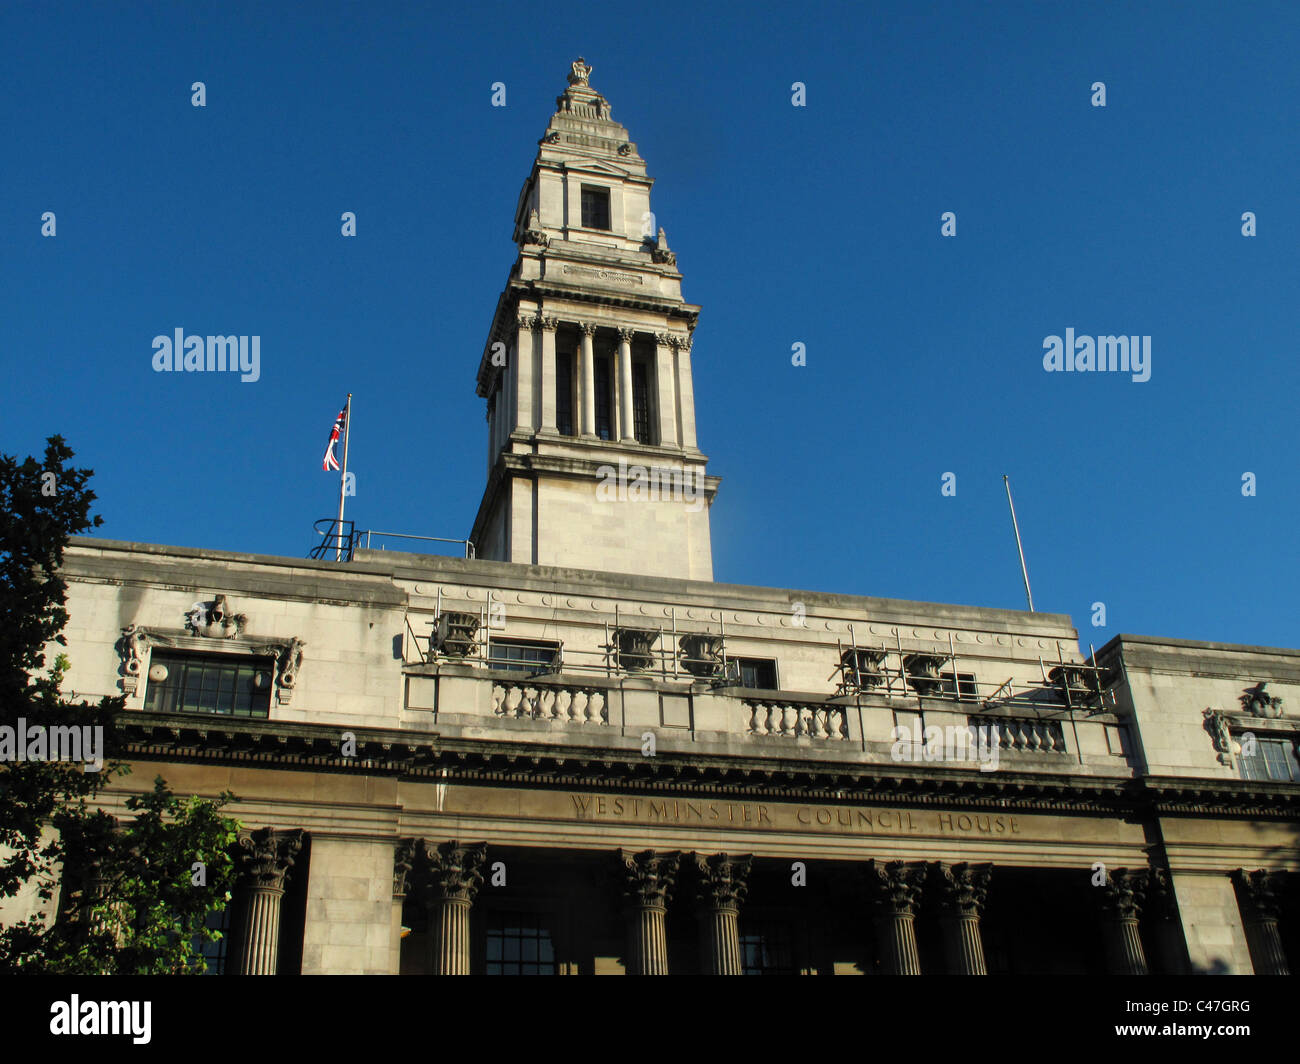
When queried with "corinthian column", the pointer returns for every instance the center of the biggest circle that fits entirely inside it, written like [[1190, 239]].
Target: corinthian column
[[450, 878], [1257, 895], [686, 391], [263, 858], [721, 888], [546, 380], [627, 430], [963, 888], [648, 879], [587, 374], [523, 375], [1121, 902], [896, 889], [403, 861]]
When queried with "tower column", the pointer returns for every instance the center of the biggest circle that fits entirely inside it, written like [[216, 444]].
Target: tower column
[[450, 880], [648, 879], [1257, 895], [264, 858], [686, 392], [721, 888], [963, 888], [626, 429], [1121, 901], [523, 374], [548, 376], [587, 375], [666, 386], [896, 890]]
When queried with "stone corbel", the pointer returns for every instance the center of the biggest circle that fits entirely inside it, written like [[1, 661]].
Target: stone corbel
[[1216, 723], [134, 648], [288, 664]]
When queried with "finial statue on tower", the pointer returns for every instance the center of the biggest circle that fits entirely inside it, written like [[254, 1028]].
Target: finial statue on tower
[[581, 72]]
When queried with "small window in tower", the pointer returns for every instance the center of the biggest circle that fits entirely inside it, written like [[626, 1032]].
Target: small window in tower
[[641, 402], [595, 207], [564, 393], [604, 426]]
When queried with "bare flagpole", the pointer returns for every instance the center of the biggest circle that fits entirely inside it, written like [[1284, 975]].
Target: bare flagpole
[[1024, 570], [343, 478]]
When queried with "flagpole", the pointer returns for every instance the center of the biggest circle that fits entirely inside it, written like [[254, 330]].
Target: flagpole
[[343, 478], [1024, 570]]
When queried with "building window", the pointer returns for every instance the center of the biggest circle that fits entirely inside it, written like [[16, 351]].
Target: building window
[[1271, 759], [963, 689], [519, 944], [215, 953], [766, 949], [758, 673], [595, 207], [522, 655], [602, 369], [640, 403], [564, 393], [209, 683]]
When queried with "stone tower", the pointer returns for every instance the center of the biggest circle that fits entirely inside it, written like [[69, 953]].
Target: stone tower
[[592, 458]]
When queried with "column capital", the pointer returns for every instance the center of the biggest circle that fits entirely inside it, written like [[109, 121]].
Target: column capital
[[1258, 891], [682, 343], [649, 877], [404, 854], [449, 871], [588, 327], [1124, 892], [665, 339], [549, 324], [963, 887], [896, 886], [263, 857], [625, 333], [722, 880], [527, 321]]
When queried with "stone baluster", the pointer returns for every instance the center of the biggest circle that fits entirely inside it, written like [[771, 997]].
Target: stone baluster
[[895, 890], [721, 885], [263, 859], [450, 879], [1121, 901], [1257, 897], [962, 890], [648, 880]]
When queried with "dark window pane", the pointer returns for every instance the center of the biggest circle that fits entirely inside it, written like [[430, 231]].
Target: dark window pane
[[602, 371], [519, 944], [758, 673], [209, 683], [640, 403], [595, 208], [564, 393]]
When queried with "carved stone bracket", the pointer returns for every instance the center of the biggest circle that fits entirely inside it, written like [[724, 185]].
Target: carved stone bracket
[[134, 649], [1216, 723], [404, 855]]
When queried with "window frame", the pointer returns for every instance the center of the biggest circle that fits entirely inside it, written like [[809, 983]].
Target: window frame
[[156, 692], [602, 194], [520, 665]]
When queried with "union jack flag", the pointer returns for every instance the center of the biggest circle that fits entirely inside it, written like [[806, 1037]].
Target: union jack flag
[[330, 462]]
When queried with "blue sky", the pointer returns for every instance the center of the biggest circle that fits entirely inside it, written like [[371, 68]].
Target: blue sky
[[818, 225]]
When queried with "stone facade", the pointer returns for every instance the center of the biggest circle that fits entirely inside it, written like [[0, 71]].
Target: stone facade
[[578, 754]]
